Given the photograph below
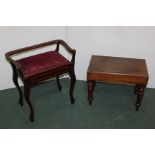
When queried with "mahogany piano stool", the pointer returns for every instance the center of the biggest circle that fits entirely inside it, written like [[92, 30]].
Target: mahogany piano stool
[[117, 70]]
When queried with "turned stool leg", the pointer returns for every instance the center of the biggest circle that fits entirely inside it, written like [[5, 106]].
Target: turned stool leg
[[136, 88], [91, 86], [58, 83], [73, 80], [140, 93], [15, 80], [27, 99], [94, 84]]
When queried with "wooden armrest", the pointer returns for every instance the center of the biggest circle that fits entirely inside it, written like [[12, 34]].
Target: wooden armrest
[[25, 49], [13, 62], [67, 47]]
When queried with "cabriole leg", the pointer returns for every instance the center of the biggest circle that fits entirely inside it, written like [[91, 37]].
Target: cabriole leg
[[27, 99], [73, 80], [15, 80]]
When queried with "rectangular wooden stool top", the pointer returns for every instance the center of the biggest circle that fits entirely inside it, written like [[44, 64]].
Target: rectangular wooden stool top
[[117, 70]]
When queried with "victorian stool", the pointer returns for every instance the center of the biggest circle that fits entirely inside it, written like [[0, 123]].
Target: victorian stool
[[37, 68], [118, 71]]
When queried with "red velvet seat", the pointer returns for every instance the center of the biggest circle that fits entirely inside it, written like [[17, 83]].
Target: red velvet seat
[[42, 62]]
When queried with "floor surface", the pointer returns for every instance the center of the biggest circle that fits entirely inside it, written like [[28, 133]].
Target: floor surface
[[113, 108]]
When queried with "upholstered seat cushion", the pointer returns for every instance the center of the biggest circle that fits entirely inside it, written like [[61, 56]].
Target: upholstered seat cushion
[[42, 62]]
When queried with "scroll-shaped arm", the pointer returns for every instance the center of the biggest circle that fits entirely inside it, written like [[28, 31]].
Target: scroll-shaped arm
[[13, 62], [69, 49]]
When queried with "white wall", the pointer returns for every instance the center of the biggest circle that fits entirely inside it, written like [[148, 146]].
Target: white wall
[[134, 42], [138, 42]]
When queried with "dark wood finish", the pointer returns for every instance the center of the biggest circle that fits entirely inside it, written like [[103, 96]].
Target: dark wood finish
[[58, 83], [136, 89], [15, 80], [27, 87], [73, 80], [140, 93], [39, 77], [120, 71], [91, 86]]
